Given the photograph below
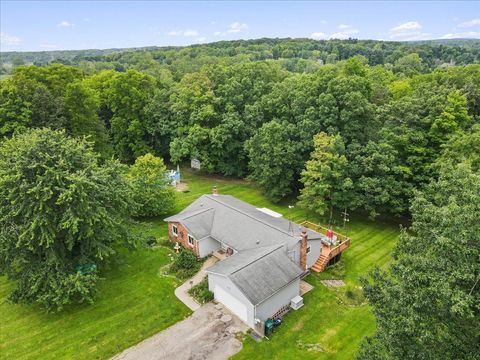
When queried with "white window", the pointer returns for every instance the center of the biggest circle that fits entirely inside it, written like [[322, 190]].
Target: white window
[[308, 249], [190, 239], [174, 230]]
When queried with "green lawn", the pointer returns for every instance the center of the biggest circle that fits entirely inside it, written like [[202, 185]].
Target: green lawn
[[136, 301]]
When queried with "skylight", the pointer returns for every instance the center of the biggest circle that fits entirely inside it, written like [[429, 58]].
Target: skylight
[[270, 212]]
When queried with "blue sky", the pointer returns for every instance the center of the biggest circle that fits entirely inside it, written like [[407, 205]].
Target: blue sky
[[57, 25]]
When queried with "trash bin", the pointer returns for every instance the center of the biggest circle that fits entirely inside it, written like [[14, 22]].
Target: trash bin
[[268, 327]]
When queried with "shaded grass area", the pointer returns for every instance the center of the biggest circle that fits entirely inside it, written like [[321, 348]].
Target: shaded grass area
[[136, 299]]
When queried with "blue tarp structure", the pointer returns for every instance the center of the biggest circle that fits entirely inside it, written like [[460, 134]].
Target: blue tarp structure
[[174, 176]]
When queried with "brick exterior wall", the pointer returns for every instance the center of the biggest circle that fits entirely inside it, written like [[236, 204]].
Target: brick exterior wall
[[182, 237], [303, 250]]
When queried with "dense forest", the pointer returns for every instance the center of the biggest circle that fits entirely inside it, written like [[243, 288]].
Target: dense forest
[[299, 55], [388, 115]]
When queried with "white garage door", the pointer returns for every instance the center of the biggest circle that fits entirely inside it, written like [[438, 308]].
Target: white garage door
[[234, 305]]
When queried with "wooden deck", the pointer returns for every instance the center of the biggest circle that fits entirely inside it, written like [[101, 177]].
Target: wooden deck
[[328, 252]]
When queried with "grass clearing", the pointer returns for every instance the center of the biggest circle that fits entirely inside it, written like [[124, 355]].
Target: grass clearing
[[136, 301]]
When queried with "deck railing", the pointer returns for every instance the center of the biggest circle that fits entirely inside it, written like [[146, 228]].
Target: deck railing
[[344, 240]]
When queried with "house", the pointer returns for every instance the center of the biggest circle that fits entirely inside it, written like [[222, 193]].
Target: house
[[263, 254]]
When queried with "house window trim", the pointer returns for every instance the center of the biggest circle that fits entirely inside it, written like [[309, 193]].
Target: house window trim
[[174, 230], [188, 239], [308, 249]]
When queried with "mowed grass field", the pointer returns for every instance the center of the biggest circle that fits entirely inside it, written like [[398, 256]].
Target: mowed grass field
[[135, 301]]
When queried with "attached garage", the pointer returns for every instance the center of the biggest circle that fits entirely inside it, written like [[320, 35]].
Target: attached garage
[[231, 303]]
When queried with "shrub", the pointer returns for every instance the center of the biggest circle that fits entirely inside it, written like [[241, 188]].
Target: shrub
[[185, 265], [150, 188], [201, 293]]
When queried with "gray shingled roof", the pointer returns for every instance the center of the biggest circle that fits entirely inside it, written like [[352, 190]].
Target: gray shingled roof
[[265, 276], [240, 259], [238, 224], [260, 266]]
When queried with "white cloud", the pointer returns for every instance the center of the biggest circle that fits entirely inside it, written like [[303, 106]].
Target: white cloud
[[409, 31], [233, 28], [323, 22], [342, 35], [318, 36], [468, 34], [213, 22], [6, 39], [65, 23], [201, 39], [186, 33], [468, 24], [237, 27], [411, 25], [346, 33]]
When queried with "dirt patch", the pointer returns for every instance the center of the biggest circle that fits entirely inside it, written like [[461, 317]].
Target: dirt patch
[[209, 333], [333, 283], [315, 347], [181, 186], [298, 326]]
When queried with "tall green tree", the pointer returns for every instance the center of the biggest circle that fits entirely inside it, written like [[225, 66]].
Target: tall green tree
[[409, 65], [454, 118], [428, 305], [463, 147], [272, 153], [380, 182], [82, 107], [127, 96], [15, 110], [151, 189], [325, 183], [61, 216]]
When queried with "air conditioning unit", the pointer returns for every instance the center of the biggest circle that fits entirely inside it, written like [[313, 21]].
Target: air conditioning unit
[[296, 303]]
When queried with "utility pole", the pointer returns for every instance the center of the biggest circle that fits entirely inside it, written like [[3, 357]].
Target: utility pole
[[345, 219]]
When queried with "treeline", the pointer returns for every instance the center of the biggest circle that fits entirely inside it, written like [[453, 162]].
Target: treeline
[[380, 130], [297, 55]]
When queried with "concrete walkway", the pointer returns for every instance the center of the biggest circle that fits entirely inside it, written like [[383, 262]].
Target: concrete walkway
[[181, 292]]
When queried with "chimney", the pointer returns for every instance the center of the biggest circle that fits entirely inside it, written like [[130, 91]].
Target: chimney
[[303, 249], [215, 191]]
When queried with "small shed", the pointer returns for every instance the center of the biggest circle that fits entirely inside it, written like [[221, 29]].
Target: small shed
[[195, 164]]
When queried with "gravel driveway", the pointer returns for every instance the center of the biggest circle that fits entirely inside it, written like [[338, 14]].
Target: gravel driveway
[[209, 333]]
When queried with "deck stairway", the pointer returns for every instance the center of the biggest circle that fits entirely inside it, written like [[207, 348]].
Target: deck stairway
[[321, 263], [328, 251]]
